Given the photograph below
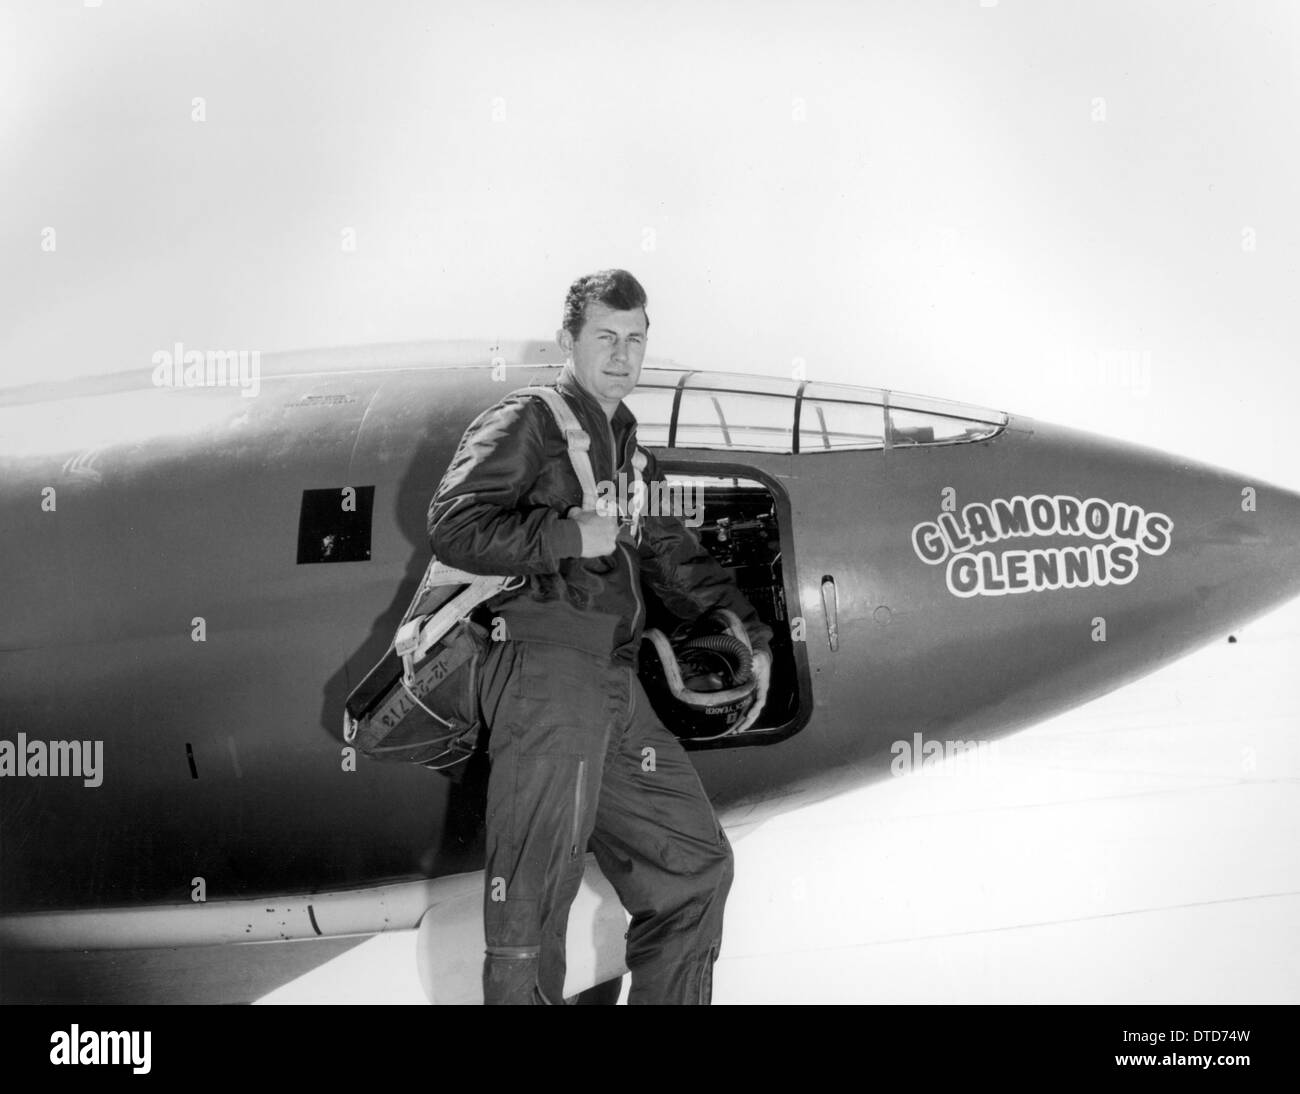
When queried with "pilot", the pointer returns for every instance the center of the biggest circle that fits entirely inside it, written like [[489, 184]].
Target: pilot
[[578, 755]]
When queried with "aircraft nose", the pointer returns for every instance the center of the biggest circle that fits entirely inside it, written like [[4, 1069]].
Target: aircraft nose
[[1241, 541], [1232, 550], [1074, 563]]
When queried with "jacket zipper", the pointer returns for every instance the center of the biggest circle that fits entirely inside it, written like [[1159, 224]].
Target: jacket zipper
[[635, 580], [613, 456], [633, 569], [578, 789], [706, 976]]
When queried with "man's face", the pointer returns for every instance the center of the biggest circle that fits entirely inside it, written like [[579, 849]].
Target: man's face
[[608, 351]]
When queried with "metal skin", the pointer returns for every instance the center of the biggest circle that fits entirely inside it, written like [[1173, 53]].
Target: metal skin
[[223, 758]]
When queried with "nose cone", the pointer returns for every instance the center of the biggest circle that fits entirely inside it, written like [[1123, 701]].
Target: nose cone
[[1234, 547], [1241, 543], [1066, 565], [1230, 550]]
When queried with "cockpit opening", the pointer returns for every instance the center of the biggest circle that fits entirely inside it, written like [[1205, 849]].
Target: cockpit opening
[[738, 520]]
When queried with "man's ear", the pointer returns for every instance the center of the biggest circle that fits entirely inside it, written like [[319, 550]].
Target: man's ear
[[564, 340]]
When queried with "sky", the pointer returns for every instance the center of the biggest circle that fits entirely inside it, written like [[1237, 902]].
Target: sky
[[1081, 212]]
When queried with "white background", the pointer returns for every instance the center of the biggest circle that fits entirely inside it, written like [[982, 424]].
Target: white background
[[1083, 212]]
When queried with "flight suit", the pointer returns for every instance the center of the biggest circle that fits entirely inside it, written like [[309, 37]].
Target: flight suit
[[577, 752], [578, 755]]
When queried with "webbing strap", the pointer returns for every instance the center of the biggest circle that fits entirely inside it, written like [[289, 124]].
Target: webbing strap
[[574, 435], [579, 455]]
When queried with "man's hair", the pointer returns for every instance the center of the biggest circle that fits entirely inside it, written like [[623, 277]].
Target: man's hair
[[616, 289]]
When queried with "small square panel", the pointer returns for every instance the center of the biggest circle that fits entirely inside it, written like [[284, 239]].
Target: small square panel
[[334, 524]]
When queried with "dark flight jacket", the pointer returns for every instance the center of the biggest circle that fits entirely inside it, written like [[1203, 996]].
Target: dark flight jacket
[[500, 509]]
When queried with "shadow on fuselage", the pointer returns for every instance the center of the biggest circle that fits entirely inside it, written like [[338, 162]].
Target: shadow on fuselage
[[458, 843]]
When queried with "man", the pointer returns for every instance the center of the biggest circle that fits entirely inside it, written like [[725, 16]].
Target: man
[[577, 752]]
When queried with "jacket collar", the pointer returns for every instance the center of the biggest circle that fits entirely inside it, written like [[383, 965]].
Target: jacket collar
[[568, 383]]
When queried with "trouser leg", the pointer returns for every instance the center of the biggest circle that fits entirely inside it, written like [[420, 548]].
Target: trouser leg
[[549, 708], [660, 845]]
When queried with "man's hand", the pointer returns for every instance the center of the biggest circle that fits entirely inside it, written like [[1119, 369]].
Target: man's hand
[[763, 674], [599, 533]]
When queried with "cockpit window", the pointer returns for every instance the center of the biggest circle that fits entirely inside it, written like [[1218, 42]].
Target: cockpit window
[[825, 425], [653, 409], [759, 414], [735, 420], [919, 419], [922, 427]]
